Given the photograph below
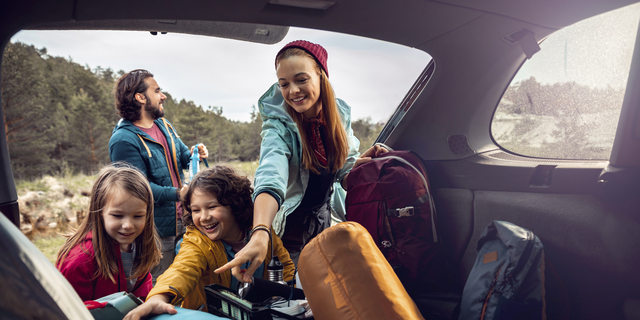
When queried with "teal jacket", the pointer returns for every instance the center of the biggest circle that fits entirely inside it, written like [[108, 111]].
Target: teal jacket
[[280, 172], [130, 144]]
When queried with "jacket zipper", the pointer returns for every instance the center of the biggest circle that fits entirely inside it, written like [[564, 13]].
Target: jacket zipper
[[140, 282], [165, 155], [169, 167], [173, 146], [175, 161]]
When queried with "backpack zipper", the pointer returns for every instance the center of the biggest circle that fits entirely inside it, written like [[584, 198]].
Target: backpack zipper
[[525, 253], [388, 244], [486, 299]]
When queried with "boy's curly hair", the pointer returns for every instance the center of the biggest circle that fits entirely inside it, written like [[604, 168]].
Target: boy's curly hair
[[229, 188]]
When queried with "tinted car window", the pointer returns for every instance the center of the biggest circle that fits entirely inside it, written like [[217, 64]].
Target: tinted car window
[[565, 102]]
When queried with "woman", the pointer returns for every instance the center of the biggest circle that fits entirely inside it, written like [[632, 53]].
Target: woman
[[307, 150]]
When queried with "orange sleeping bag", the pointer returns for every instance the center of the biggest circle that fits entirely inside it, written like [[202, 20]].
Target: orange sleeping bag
[[345, 276]]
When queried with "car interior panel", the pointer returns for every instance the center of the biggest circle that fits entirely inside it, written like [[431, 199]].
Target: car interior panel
[[586, 212]]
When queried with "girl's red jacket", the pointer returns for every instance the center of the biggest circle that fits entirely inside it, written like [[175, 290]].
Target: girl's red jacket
[[80, 267]]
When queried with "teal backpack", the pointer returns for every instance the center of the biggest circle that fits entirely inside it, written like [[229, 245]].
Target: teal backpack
[[507, 279]]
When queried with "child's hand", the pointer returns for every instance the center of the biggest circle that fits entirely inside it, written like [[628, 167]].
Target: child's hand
[[155, 305], [254, 251]]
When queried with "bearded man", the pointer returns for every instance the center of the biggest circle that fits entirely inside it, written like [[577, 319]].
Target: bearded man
[[144, 139]]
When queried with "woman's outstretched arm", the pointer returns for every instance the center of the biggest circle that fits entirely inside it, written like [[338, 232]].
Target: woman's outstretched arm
[[264, 211]]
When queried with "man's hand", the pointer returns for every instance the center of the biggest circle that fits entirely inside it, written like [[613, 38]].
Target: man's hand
[[202, 151], [155, 305], [255, 251]]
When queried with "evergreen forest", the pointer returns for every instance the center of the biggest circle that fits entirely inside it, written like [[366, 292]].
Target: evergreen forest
[[59, 116]]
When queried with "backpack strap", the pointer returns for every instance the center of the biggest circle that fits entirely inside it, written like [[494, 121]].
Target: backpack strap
[[411, 210]]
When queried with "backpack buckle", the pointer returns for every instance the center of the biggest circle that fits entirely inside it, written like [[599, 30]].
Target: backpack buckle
[[405, 212]]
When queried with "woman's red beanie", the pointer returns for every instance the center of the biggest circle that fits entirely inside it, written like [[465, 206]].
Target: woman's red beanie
[[315, 50]]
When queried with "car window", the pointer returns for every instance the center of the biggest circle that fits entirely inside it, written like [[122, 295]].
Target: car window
[[565, 101], [223, 75], [57, 95]]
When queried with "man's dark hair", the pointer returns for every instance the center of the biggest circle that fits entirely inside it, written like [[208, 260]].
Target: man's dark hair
[[126, 88], [228, 187]]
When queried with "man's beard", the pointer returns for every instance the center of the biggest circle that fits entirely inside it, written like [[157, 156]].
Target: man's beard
[[154, 113]]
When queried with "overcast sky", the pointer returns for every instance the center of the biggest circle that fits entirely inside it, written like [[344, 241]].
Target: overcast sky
[[596, 52], [370, 75]]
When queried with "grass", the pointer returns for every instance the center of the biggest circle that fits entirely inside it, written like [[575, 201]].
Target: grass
[[50, 242], [49, 246], [79, 182], [24, 186], [75, 183], [247, 168]]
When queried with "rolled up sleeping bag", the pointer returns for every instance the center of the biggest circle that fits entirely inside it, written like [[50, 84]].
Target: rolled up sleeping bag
[[345, 276]]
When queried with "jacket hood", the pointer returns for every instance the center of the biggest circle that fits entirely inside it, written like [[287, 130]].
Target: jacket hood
[[271, 105], [128, 125], [122, 123]]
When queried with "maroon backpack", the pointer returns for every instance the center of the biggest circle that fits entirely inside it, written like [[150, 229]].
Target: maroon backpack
[[391, 198]]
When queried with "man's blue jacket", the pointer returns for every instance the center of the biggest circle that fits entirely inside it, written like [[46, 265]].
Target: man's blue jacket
[[130, 144]]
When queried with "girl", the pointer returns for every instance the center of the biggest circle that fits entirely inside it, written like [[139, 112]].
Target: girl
[[307, 150], [218, 214], [117, 244]]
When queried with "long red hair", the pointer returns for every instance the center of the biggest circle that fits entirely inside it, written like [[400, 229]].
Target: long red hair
[[336, 145]]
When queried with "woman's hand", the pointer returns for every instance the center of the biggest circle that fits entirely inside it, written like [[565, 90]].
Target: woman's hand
[[155, 305], [372, 152], [255, 251], [264, 211]]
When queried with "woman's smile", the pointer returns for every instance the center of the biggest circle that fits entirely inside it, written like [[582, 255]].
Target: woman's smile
[[300, 85]]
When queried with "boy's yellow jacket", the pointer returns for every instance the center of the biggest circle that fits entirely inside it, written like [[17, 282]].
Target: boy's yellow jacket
[[193, 268]]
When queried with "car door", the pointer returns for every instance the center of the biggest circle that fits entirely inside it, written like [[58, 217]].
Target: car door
[[473, 112]]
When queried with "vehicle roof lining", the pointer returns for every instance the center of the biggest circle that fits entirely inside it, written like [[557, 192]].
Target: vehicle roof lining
[[424, 20], [195, 15], [538, 12], [258, 33]]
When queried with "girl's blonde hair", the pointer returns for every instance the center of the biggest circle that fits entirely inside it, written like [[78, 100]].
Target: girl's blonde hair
[[336, 146], [112, 178]]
